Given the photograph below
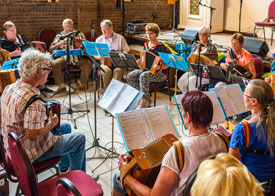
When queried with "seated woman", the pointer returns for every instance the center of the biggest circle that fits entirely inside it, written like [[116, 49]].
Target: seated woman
[[141, 79], [188, 80], [258, 154], [200, 144], [243, 57], [225, 175]]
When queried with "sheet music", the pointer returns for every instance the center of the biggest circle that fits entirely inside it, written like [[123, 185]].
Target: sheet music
[[235, 93], [134, 129], [218, 115], [111, 92], [123, 99], [160, 121], [225, 100]]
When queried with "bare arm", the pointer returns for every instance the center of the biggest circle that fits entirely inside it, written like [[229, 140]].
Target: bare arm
[[251, 68], [162, 186], [34, 134], [57, 45]]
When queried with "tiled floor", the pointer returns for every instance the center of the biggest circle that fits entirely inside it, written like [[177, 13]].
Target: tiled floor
[[85, 124]]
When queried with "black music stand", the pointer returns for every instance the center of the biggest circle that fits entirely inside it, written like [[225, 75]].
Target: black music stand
[[70, 111], [120, 59], [210, 72]]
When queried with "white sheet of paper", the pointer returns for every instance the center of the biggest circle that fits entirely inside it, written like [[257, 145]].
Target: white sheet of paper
[[110, 93], [218, 116], [135, 130], [122, 101], [160, 121], [235, 93], [225, 100]]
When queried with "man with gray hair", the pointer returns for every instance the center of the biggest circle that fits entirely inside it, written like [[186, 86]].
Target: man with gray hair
[[115, 42], [60, 63], [32, 126]]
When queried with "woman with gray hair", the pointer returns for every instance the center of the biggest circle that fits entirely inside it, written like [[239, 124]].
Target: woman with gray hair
[[187, 81]]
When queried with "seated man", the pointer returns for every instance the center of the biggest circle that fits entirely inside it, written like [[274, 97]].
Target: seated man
[[200, 144], [32, 125], [60, 63], [115, 42]]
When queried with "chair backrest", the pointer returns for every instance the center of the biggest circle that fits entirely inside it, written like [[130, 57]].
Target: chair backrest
[[271, 10], [4, 56], [22, 166], [258, 67], [47, 36]]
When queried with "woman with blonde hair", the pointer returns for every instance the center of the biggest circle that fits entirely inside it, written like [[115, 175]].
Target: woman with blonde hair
[[256, 149], [225, 175]]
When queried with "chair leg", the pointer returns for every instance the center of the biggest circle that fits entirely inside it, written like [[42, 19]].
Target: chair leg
[[272, 31], [155, 97], [264, 32], [254, 35]]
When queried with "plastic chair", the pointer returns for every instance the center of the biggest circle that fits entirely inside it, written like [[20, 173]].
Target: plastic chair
[[6, 163], [47, 36], [28, 182], [268, 22]]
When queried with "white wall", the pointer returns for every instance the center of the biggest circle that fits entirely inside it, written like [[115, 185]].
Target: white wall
[[252, 11]]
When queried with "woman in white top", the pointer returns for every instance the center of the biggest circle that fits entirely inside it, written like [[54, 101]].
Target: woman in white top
[[200, 144]]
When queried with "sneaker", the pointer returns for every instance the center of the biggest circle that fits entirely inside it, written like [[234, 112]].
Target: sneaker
[[94, 177], [46, 90], [59, 90], [61, 172]]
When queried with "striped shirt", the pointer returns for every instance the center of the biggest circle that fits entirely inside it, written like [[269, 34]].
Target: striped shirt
[[14, 119]]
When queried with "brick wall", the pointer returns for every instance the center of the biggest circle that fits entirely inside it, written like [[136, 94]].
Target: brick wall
[[30, 16]]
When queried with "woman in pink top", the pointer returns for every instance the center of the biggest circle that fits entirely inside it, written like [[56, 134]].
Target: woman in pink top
[[243, 57]]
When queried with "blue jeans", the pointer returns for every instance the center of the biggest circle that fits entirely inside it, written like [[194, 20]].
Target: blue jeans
[[116, 183], [65, 128], [72, 145]]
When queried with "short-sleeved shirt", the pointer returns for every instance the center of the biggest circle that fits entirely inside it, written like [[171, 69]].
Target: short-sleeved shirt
[[261, 166], [14, 119], [196, 149], [117, 42], [73, 58]]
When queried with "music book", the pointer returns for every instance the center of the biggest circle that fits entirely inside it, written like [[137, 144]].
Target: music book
[[174, 61], [218, 113], [96, 49], [59, 53], [140, 127], [121, 59], [119, 97], [12, 64], [231, 99]]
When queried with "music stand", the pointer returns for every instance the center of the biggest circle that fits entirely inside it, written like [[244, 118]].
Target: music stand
[[70, 111], [96, 49], [174, 61], [120, 59], [210, 72]]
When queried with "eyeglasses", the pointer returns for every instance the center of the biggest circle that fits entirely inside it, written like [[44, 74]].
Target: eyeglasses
[[11, 30], [46, 68], [247, 95]]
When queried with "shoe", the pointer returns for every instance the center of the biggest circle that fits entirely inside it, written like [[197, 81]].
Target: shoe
[[61, 172], [59, 90], [46, 90], [94, 177]]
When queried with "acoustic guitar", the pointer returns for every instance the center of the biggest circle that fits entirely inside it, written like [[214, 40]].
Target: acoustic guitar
[[148, 59]]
